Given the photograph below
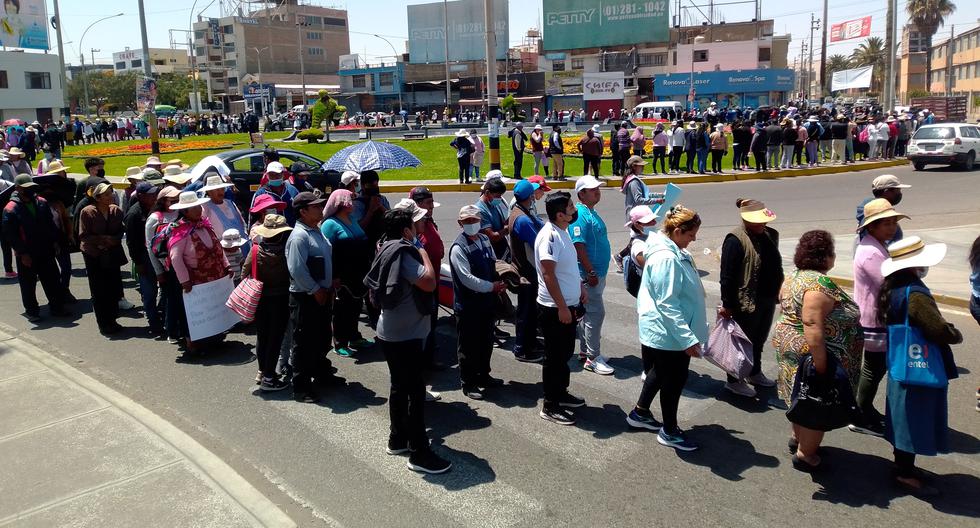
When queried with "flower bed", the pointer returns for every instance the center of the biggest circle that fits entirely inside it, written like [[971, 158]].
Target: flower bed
[[107, 150]]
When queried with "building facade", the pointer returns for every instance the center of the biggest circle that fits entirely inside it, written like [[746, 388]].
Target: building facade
[[162, 60], [955, 68], [912, 63], [30, 86]]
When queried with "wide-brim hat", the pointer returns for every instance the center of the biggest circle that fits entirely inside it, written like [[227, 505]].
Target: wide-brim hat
[[15, 151], [879, 209], [55, 167], [912, 252], [409, 205], [272, 226], [231, 238], [265, 201], [214, 183], [755, 212], [462, 133], [187, 200]]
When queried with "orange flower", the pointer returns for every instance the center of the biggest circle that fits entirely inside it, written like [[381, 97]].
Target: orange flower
[[166, 147]]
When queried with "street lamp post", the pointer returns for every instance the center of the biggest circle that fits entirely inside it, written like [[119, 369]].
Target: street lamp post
[[81, 55], [302, 66], [398, 79], [690, 93], [258, 57]]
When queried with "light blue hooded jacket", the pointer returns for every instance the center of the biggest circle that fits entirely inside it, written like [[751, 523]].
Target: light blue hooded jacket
[[671, 300]]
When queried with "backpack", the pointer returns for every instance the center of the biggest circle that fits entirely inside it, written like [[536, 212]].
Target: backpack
[[631, 275], [160, 241], [863, 136]]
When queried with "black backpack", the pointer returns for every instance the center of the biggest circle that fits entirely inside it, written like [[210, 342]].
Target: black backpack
[[631, 275]]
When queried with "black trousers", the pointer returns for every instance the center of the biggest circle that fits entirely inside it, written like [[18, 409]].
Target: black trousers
[[346, 312], [798, 152], [311, 340], [526, 320], [756, 326], [675, 158], [716, 159], [8, 255], [104, 282], [271, 318], [46, 270], [692, 157], [464, 169], [873, 369], [474, 346], [667, 375], [559, 345], [590, 162], [518, 163], [406, 400], [760, 159], [659, 153], [617, 164], [624, 156]]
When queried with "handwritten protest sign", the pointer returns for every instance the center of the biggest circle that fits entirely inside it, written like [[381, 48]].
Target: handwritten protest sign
[[205, 307]]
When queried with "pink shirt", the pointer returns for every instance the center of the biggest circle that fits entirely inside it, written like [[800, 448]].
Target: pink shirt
[[868, 257]]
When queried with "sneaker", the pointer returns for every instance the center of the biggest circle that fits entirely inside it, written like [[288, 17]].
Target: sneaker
[[431, 396], [33, 317], [345, 351], [676, 440], [760, 380], [258, 378], [529, 358], [870, 428], [567, 400], [619, 262], [126, 305], [740, 388], [397, 447], [472, 393], [557, 415], [428, 462], [599, 366], [10, 275], [272, 385], [643, 421]]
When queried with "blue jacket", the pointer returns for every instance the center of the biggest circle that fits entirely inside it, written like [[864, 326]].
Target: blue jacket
[[670, 302]]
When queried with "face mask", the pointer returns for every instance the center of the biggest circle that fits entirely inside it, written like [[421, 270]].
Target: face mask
[[922, 272], [649, 230], [471, 229], [275, 183], [101, 173], [574, 217], [498, 202], [47, 156], [357, 188]]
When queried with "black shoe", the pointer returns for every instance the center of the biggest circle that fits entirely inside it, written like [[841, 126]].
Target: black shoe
[[428, 462], [70, 299], [871, 427], [529, 358], [272, 385], [567, 400], [557, 415], [500, 334], [114, 328], [397, 447], [305, 397], [491, 382], [472, 393], [33, 317], [802, 465]]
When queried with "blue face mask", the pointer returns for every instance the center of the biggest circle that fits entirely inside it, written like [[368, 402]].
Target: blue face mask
[[275, 183], [649, 230], [498, 202]]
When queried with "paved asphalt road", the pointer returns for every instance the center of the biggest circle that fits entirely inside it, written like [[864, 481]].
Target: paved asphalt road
[[325, 464]]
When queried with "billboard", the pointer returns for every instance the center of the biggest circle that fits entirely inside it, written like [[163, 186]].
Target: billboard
[[146, 94], [258, 91], [24, 24], [563, 83], [854, 78], [733, 81], [602, 86], [575, 24], [467, 33], [850, 29]]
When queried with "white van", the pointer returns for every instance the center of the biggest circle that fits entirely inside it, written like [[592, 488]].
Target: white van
[[656, 108]]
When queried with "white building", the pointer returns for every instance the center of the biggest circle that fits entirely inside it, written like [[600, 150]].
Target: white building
[[162, 60], [30, 86]]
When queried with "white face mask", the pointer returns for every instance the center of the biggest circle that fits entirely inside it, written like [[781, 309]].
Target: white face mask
[[471, 229]]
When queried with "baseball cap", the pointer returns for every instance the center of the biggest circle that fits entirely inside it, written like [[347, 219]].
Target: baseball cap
[[409, 205], [305, 198], [635, 160], [146, 187], [541, 182], [469, 211], [641, 214], [276, 167], [524, 189], [25, 181], [587, 182], [349, 176], [888, 181], [422, 193]]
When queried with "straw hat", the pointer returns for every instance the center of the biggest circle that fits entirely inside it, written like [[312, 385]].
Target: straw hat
[[213, 183], [462, 133], [879, 209], [134, 173], [55, 167], [272, 225], [187, 200], [231, 238], [911, 252], [754, 211], [15, 151], [153, 161]]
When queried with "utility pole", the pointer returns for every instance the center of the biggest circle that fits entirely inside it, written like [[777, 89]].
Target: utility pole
[[302, 65], [92, 51], [889, 102], [449, 96], [949, 60], [148, 73], [66, 111], [823, 51], [491, 84], [814, 24]]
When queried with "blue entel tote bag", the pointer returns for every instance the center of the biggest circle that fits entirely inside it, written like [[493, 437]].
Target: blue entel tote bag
[[912, 359]]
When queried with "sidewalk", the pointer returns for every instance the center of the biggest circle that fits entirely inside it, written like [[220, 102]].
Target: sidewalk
[[949, 281], [77, 453]]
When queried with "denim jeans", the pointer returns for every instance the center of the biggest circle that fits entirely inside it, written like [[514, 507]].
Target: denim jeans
[[772, 156], [148, 293], [787, 160], [702, 160], [526, 320]]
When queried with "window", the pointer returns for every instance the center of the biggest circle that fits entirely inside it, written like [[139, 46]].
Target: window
[[578, 64], [558, 65], [3, 79], [138, 63], [232, 82], [314, 35], [314, 51], [700, 55], [652, 59], [330, 21], [386, 79], [765, 54], [358, 81], [159, 62], [312, 20], [198, 34], [231, 63], [200, 52], [37, 80], [229, 29], [121, 65], [969, 132]]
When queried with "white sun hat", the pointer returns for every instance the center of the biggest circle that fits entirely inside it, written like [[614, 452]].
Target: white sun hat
[[187, 200], [912, 252]]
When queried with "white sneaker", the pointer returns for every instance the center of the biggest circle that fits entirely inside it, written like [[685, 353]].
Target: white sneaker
[[760, 380], [741, 388], [126, 305], [599, 366]]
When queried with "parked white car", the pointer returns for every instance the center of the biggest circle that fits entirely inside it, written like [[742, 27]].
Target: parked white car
[[945, 144]]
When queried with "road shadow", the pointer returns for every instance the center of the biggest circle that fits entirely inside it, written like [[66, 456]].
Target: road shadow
[[514, 394], [344, 397], [371, 354], [223, 352], [66, 321], [469, 470], [960, 442], [627, 367], [603, 422], [724, 452], [448, 418]]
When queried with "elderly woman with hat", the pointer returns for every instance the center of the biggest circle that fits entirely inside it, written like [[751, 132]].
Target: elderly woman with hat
[[262, 206], [267, 263], [222, 213], [352, 253], [879, 225], [464, 150], [134, 175], [18, 161], [175, 177], [916, 416], [719, 147], [750, 277], [100, 235], [159, 218], [538, 150], [59, 190], [278, 188]]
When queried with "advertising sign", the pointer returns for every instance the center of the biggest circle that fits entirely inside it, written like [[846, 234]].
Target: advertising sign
[[467, 32], [734, 81], [854, 78], [562, 82], [850, 29], [215, 28], [575, 24], [146, 95], [24, 24], [207, 314], [602, 86], [258, 91]]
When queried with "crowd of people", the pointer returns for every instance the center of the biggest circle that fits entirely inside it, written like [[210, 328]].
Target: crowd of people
[[326, 259]]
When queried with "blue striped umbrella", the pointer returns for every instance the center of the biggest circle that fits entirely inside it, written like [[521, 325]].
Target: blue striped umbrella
[[371, 156]]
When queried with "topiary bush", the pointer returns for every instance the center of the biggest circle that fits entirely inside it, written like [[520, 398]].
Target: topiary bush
[[311, 135], [325, 109]]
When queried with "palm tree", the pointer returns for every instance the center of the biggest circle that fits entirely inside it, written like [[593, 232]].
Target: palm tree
[[927, 16], [872, 53], [837, 62]]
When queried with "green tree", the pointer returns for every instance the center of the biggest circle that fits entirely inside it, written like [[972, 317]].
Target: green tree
[[872, 53], [174, 89], [837, 62], [927, 16]]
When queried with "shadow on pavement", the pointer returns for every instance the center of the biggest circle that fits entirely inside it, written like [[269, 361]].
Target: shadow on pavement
[[345, 399], [448, 418], [478, 470], [960, 442], [603, 422], [724, 453]]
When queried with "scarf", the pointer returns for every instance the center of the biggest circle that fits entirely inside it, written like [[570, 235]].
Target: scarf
[[183, 229]]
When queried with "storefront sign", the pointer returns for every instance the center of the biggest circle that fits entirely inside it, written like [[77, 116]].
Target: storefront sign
[[850, 29], [258, 91], [24, 24], [575, 24], [735, 81], [602, 86]]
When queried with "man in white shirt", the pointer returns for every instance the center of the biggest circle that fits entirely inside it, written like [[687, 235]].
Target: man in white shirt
[[560, 300]]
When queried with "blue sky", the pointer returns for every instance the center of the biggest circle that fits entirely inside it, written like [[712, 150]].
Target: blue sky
[[388, 18]]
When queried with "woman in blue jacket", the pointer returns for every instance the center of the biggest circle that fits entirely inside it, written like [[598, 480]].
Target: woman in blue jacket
[[703, 143], [672, 322]]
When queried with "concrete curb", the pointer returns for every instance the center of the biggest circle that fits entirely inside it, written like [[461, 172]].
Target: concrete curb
[[701, 178], [227, 479], [941, 298]]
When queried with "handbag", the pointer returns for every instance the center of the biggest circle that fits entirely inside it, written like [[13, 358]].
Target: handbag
[[244, 299], [729, 348], [912, 359], [822, 402]]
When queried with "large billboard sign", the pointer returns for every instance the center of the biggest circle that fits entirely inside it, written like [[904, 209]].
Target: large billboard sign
[[853, 78], [851, 29], [467, 32], [602, 86], [732, 81], [576, 24], [24, 24]]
